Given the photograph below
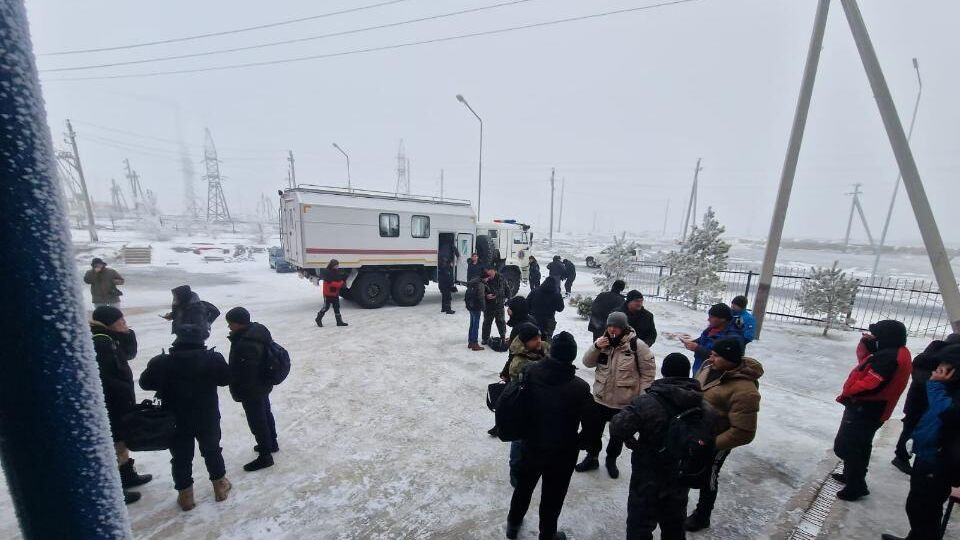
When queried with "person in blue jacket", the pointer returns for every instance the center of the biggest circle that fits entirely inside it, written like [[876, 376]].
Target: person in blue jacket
[[720, 326], [743, 319]]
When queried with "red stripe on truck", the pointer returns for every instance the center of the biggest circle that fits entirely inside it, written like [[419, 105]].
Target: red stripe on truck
[[332, 251]]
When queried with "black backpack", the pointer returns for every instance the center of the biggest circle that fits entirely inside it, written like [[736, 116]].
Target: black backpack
[[278, 363], [689, 445], [512, 409]]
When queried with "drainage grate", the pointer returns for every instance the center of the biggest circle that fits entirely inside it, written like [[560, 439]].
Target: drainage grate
[[816, 515]]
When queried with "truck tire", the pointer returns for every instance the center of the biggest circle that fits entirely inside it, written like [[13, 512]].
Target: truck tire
[[486, 251], [371, 290], [512, 275], [407, 289]]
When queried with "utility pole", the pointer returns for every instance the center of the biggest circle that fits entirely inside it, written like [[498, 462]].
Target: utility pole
[[135, 187], [552, 173], [563, 189], [666, 215], [293, 170], [908, 167], [77, 166], [441, 184], [692, 204], [789, 171], [855, 205]]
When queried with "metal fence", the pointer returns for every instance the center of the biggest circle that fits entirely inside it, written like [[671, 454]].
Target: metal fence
[[915, 302]]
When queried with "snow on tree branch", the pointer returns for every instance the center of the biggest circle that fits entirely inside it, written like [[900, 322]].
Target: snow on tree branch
[[694, 278], [828, 294]]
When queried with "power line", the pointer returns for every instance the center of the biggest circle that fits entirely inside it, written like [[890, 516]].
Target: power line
[[380, 48], [288, 41], [224, 32]]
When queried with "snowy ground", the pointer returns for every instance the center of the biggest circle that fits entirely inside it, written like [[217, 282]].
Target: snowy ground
[[382, 424]]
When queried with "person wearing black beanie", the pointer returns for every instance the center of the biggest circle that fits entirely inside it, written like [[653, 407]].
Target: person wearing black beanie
[[558, 399], [675, 365], [238, 315], [603, 305], [720, 326], [641, 319]]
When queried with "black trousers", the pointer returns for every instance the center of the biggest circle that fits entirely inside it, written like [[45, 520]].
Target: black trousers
[[854, 441], [568, 284], [909, 423], [445, 298], [928, 491], [555, 466], [655, 502], [327, 304], [547, 328], [491, 314], [181, 452], [708, 495], [261, 423], [594, 421]]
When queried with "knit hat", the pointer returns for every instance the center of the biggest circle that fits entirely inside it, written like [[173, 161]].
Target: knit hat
[[518, 306], [564, 347], [890, 334], [634, 295], [721, 311], [556, 258], [238, 315], [527, 331], [618, 319], [740, 301], [675, 365], [96, 261], [730, 349], [618, 286], [107, 315]]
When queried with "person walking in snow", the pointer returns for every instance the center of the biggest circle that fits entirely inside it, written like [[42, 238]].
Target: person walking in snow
[[557, 401], [603, 305], [497, 292], [743, 319], [641, 319], [557, 271], [545, 302], [103, 283], [115, 345], [569, 275], [868, 397], [333, 282], [186, 381], [534, 273], [249, 342], [936, 443], [445, 283], [625, 368], [730, 383], [720, 326]]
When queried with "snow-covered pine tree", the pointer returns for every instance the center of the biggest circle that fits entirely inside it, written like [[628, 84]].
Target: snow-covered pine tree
[[617, 264], [695, 265], [828, 293]]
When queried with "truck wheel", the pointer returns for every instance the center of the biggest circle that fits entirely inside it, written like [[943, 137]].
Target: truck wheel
[[407, 289], [486, 251], [371, 290], [512, 275]]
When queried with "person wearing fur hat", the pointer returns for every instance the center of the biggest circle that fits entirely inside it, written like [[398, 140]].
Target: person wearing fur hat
[[625, 367], [103, 283], [869, 396], [730, 383], [641, 320], [115, 345], [719, 326], [248, 386], [656, 498], [558, 400]]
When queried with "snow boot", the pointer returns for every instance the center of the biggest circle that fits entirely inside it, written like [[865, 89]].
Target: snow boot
[[475, 347], [221, 487], [450, 312], [852, 493], [902, 464], [612, 469], [129, 477], [185, 499], [262, 462], [130, 497], [492, 431], [341, 323], [319, 319], [839, 477], [513, 530], [696, 522], [589, 463], [891, 537]]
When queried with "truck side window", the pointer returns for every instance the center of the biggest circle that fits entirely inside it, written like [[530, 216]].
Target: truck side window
[[420, 226], [389, 225]]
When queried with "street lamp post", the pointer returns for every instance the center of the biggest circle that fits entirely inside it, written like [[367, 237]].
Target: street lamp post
[[896, 186], [349, 182], [480, 164]]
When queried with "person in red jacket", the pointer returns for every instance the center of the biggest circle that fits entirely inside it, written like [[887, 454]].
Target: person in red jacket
[[869, 396], [332, 283]]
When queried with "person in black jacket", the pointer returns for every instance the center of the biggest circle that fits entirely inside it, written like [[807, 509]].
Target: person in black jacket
[[603, 305], [534, 273], [557, 271], [248, 385], [445, 283], [557, 402], [916, 401], [545, 303], [186, 381], [569, 275], [497, 293], [640, 319], [474, 268], [116, 344], [188, 310], [656, 498], [518, 312]]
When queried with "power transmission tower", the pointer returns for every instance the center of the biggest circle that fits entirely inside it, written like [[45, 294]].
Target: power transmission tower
[[292, 172], [403, 171], [855, 206], [119, 201], [265, 208], [563, 189], [135, 188], [191, 208], [552, 190], [73, 160], [691, 215], [216, 202]]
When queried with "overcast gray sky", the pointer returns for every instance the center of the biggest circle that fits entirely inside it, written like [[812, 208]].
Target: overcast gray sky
[[622, 106]]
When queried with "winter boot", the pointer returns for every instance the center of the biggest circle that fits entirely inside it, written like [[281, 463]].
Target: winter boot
[[589, 463], [493, 431], [475, 347], [839, 477], [513, 530], [129, 477], [612, 469], [891, 537], [221, 487], [852, 493], [262, 462], [319, 319], [185, 499], [130, 497], [341, 323], [449, 311], [902, 464], [696, 522]]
